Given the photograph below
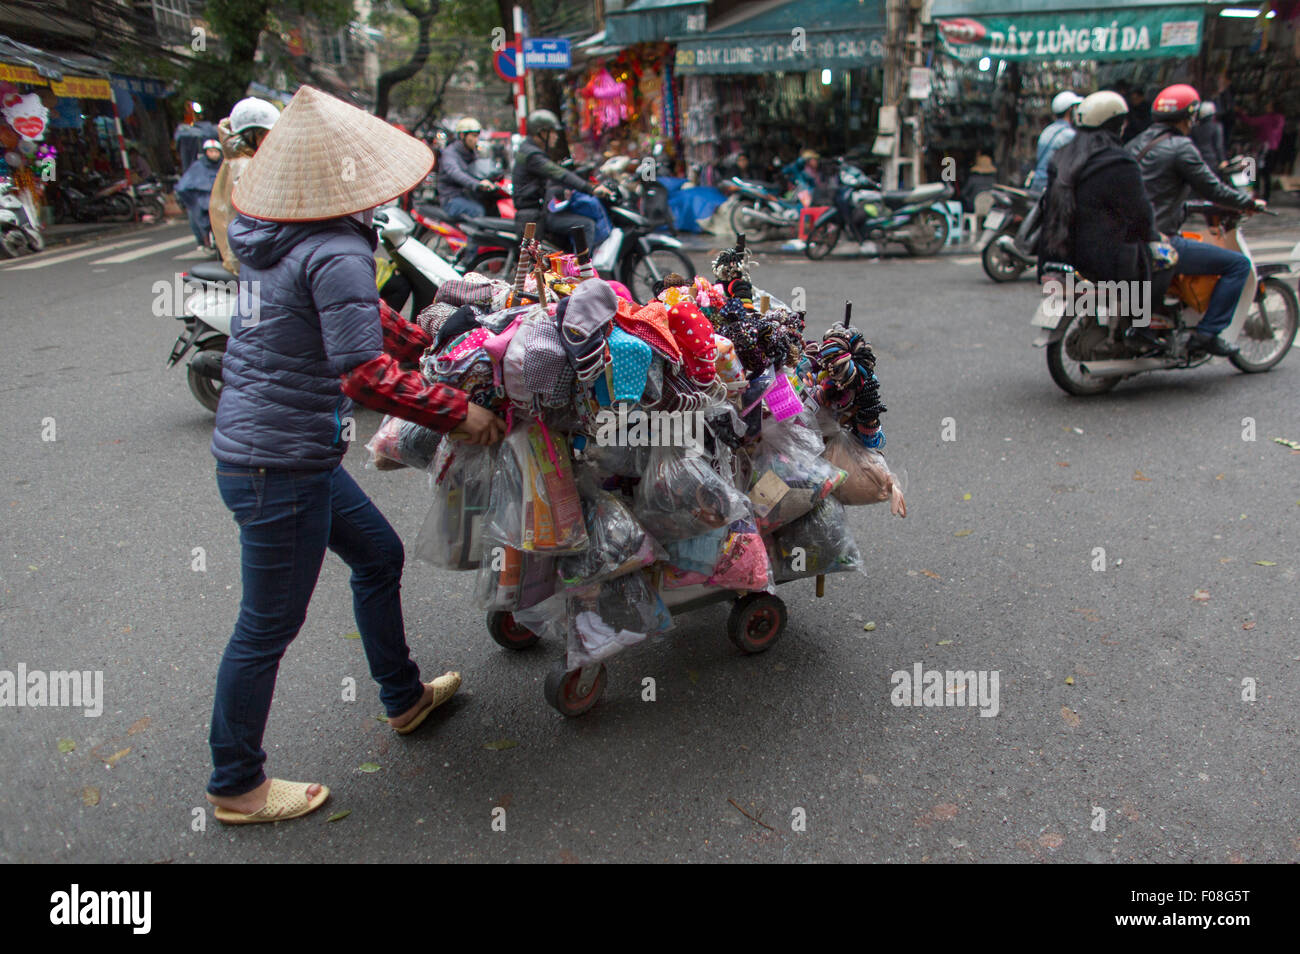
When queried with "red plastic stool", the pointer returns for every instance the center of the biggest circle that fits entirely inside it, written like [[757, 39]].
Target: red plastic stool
[[807, 217]]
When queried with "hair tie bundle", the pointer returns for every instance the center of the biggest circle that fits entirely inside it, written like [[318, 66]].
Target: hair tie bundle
[[733, 263], [850, 383]]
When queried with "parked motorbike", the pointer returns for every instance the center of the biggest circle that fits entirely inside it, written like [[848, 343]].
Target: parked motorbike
[[151, 196], [866, 212], [1092, 345], [760, 213], [93, 199], [20, 233], [633, 252], [1010, 232], [210, 307]]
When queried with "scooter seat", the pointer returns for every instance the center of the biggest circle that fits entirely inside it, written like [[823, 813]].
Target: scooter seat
[[491, 223], [925, 193], [430, 211], [210, 272]]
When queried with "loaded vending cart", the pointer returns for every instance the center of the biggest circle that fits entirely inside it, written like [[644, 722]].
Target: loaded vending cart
[[660, 457]]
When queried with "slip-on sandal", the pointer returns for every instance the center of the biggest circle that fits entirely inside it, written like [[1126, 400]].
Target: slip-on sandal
[[444, 687], [284, 800]]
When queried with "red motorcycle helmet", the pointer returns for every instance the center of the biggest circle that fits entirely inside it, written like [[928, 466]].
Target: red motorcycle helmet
[[1176, 103]]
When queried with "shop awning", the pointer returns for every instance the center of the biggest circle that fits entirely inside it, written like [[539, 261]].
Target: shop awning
[[1060, 30], [650, 21], [840, 34], [20, 63]]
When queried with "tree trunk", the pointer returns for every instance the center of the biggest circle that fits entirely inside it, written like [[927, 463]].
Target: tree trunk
[[389, 79]]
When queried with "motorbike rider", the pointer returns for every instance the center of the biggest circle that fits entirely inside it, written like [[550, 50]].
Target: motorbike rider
[[194, 191], [534, 173], [1055, 135], [240, 133], [1172, 168], [1096, 214], [458, 187]]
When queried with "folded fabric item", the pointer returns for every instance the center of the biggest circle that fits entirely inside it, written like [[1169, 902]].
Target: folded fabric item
[[650, 324], [463, 319], [536, 364], [433, 317], [621, 291], [694, 336], [473, 289], [629, 365]]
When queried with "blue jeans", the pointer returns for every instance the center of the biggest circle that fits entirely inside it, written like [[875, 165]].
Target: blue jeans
[[463, 207], [287, 519], [1199, 258]]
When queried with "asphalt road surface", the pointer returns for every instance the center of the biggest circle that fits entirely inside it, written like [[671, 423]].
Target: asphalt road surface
[[1123, 727]]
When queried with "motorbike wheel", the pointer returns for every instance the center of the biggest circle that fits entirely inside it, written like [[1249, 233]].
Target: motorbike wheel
[[119, 208], [13, 243], [1270, 327], [489, 263], [821, 240], [754, 231], [930, 233], [1066, 371], [999, 265], [206, 390], [35, 241], [644, 270]]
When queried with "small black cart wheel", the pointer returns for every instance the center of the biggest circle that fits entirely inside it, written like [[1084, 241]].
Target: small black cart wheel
[[508, 633], [574, 693], [756, 622]]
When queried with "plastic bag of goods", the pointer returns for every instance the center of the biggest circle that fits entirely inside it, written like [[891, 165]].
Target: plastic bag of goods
[[451, 536], [400, 443], [534, 503], [819, 542]]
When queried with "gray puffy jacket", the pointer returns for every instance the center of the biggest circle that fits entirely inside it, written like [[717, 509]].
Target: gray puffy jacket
[[1172, 167], [317, 317]]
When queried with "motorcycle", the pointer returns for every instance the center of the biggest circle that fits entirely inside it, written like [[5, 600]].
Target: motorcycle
[[759, 213], [633, 252], [1094, 339], [214, 293], [93, 200], [867, 212], [151, 196], [19, 231], [1010, 232]]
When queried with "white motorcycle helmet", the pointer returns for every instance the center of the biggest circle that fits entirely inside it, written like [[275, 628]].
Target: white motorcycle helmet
[[252, 113], [1096, 110], [1064, 101]]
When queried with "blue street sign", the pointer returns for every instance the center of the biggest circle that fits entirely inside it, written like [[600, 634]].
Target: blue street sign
[[543, 54], [504, 64]]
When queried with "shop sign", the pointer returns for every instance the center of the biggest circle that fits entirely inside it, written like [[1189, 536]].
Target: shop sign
[[20, 74], [82, 87], [1093, 35], [775, 54]]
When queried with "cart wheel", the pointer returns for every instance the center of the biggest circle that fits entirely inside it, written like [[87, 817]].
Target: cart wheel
[[572, 694], [756, 622], [509, 633]]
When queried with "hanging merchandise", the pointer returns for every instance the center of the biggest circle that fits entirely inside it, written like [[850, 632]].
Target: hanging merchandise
[[607, 103], [400, 443], [658, 455], [26, 114]]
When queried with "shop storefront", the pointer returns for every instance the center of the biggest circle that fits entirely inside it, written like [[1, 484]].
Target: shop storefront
[[800, 75], [999, 63]]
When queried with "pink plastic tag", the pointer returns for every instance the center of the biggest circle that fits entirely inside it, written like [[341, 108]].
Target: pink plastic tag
[[781, 399]]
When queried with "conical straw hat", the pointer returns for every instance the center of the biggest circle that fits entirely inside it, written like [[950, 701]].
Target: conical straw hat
[[324, 159]]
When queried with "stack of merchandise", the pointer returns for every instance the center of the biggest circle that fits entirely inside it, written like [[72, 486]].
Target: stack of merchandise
[[696, 440]]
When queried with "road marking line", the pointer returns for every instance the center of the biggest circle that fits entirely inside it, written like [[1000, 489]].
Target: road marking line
[[132, 255], [192, 253], [1275, 246], [969, 260], [69, 256]]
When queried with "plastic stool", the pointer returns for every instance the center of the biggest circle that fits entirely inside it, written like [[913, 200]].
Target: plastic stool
[[970, 226], [807, 217]]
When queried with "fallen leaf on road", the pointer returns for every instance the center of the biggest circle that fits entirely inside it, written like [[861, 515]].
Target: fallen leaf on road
[[1051, 840], [117, 756], [66, 745], [945, 642], [500, 744], [1219, 476], [931, 574], [963, 533], [1138, 475], [868, 627], [1249, 624], [693, 675], [368, 767], [1069, 680], [1129, 811], [339, 816], [1062, 463], [90, 796], [352, 635], [944, 811], [963, 497], [1070, 716], [1294, 445], [1201, 596], [1265, 563], [139, 725]]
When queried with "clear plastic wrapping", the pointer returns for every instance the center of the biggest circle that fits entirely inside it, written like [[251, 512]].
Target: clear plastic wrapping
[[680, 496], [451, 536], [399, 443], [819, 542], [534, 503], [869, 479]]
